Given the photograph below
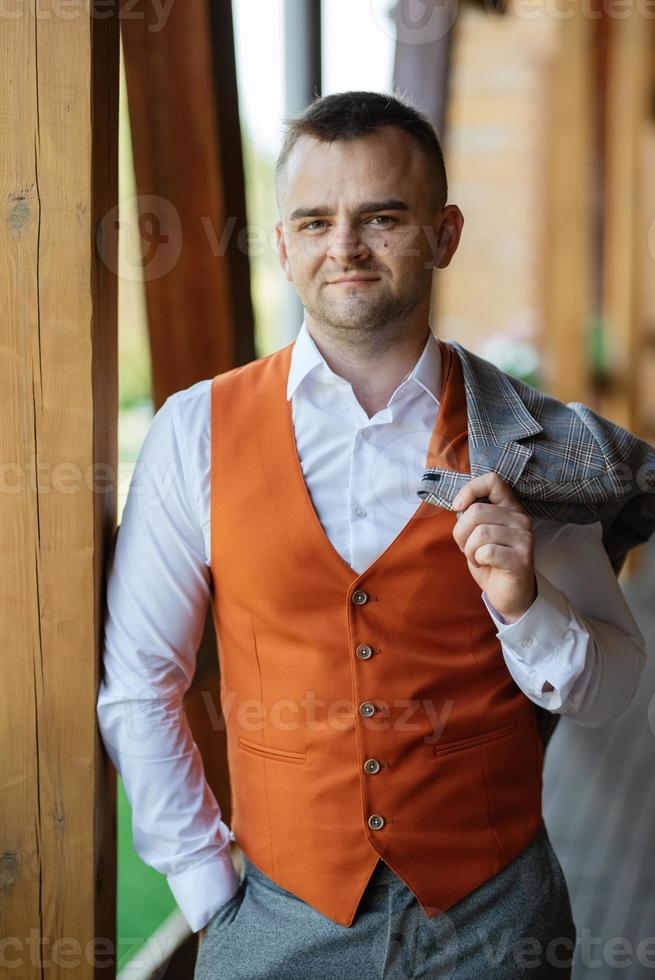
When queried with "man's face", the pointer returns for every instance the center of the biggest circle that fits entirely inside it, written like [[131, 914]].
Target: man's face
[[359, 235]]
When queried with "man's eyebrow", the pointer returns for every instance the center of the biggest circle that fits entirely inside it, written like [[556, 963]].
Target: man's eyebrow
[[366, 207]]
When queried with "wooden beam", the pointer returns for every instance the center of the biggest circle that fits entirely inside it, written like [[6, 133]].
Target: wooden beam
[[490, 296], [567, 206], [182, 95], [630, 78], [646, 348], [58, 404], [190, 185]]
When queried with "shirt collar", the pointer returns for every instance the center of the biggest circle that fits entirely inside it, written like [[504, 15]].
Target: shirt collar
[[306, 358]]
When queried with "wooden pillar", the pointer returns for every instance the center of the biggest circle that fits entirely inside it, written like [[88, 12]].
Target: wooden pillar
[[58, 402], [630, 80], [567, 205], [182, 94], [491, 294]]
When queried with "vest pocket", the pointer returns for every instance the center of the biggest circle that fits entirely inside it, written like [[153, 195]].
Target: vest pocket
[[281, 755], [473, 740]]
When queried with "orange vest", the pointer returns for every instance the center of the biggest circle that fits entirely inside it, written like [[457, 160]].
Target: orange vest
[[367, 716]]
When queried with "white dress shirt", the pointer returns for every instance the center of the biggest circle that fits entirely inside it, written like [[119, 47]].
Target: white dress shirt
[[362, 473]]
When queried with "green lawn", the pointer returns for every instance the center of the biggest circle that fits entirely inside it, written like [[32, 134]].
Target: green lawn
[[144, 898]]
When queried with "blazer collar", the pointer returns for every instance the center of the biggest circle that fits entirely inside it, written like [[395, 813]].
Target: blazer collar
[[487, 386], [498, 419]]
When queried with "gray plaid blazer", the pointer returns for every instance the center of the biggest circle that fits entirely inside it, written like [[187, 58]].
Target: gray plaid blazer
[[564, 462]]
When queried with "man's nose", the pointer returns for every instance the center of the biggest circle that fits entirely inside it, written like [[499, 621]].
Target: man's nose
[[346, 244]]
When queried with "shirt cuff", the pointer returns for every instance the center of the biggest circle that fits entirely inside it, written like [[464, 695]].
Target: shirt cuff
[[200, 891], [547, 644]]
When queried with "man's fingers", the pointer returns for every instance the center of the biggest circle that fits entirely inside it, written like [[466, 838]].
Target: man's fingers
[[484, 514], [487, 485], [497, 556], [485, 538]]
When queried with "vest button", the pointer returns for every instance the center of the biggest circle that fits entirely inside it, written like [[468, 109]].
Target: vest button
[[371, 766], [359, 597], [364, 651], [375, 821], [367, 709]]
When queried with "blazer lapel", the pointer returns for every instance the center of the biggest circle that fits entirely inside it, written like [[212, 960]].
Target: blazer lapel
[[498, 421]]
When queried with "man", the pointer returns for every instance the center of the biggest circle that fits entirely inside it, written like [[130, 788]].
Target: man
[[382, 661]]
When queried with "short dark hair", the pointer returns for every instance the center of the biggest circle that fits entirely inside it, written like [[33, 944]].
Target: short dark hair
[[347, 115]]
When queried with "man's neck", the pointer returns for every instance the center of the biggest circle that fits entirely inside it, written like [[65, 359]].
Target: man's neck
[[374, 374]]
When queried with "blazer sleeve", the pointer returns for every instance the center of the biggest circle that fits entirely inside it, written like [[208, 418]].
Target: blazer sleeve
[[628, 511]]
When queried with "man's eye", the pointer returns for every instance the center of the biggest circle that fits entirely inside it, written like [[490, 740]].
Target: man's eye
[[383, 218], [312, 225]]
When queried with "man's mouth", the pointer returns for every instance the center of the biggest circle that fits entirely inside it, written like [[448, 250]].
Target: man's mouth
[[353, 281]]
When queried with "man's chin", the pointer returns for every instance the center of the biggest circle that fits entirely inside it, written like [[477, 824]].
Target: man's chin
[[349, 319], [353, 311]]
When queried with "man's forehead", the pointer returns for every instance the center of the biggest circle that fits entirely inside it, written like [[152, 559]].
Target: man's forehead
[[386, 160], [388, 143]]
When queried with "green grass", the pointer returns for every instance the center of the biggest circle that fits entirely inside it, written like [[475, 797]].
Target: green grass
[[144, 898]]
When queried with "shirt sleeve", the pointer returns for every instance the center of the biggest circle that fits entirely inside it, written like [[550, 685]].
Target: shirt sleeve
[[579, 635], [158, 593]]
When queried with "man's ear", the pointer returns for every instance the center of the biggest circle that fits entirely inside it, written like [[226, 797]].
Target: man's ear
[[448, 235], [282, 250]]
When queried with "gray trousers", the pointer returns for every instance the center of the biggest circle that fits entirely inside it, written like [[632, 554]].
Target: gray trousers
[[516, 925]]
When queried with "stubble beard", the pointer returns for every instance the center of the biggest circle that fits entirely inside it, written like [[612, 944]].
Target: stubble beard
[[361, 322]]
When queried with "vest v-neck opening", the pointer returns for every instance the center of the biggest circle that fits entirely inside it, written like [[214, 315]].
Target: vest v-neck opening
[[441, 421]]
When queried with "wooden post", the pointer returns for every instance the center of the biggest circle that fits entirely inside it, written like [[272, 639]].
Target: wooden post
[[194, 234], [182, 94], [58, 401], [630, 78], [567, 206]]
